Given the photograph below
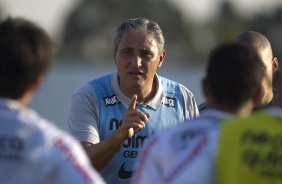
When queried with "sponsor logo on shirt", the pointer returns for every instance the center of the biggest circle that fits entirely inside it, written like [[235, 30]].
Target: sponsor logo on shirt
[[128, 150], [123, 173], [261, 152], [136, 141], [11, 148], [168, 101], [111, 100]]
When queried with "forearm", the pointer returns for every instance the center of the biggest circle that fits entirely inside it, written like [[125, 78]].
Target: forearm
[[102, 153]]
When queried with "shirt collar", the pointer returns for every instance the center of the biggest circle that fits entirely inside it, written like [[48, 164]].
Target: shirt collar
[[9, 103], [215, 113]]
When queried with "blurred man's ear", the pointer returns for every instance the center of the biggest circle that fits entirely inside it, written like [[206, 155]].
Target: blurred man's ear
[[274, 64]]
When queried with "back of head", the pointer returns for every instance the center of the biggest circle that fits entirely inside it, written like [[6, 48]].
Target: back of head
[[233, 74], [140, 25], [25, 55]]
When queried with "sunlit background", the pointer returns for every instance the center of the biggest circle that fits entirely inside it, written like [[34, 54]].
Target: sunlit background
[[83, 31]]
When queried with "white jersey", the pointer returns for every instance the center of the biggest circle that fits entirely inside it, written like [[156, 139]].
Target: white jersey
[[34, 151], [186, 147], [215, 149]]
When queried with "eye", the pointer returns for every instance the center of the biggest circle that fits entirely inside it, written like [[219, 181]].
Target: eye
[[127, 52], [262, 66], [146, 54]]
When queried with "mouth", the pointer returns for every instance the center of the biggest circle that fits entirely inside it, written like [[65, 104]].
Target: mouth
[[137, 73]]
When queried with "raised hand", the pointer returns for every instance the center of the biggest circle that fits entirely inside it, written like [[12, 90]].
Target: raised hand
[[133, 119]]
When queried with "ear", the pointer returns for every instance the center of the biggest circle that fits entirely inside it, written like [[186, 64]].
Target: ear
[[114, 52], [161, 59], [274, 64]]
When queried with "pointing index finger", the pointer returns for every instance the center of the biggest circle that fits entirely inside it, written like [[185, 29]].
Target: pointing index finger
[[133, 103]]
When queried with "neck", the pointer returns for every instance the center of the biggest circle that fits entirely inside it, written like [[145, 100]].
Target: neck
[[143, 94], [25, 99], [148, 95], [242, 111]]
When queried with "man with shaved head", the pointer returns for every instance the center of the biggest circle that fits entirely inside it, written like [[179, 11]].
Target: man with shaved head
[[269, 64]]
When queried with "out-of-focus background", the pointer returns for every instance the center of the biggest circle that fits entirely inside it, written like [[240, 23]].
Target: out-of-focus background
[[83, 34]]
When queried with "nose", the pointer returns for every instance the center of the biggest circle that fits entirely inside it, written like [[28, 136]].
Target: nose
[[136, 60]]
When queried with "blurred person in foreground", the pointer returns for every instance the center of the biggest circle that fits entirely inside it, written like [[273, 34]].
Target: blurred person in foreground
[[268, 62], [250, 148], [31, 149], [180, 155], [114, 114]]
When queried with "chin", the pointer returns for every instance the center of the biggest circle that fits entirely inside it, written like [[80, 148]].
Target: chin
[[136, 86]]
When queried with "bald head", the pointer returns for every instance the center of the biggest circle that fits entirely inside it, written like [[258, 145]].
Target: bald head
[[269, 64], [255, 40]]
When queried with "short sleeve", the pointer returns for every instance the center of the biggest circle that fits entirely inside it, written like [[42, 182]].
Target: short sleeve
[[83, 114], [190, 106]]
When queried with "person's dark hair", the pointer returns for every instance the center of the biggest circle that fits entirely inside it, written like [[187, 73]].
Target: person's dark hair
[[142, 25], [25, 54], [233, 74]]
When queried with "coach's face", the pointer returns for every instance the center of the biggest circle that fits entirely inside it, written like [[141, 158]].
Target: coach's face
[[137, 59]]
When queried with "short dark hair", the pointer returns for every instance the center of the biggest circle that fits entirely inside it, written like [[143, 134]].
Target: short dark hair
[[26, 52], [233, 74]]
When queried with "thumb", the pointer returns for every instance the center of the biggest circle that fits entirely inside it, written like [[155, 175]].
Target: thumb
[[133, 103]]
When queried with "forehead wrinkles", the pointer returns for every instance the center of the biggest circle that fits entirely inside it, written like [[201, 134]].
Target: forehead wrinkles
[[138, 40]]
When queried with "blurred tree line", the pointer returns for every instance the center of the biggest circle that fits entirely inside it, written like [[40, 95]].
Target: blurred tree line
[[89, 29]]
